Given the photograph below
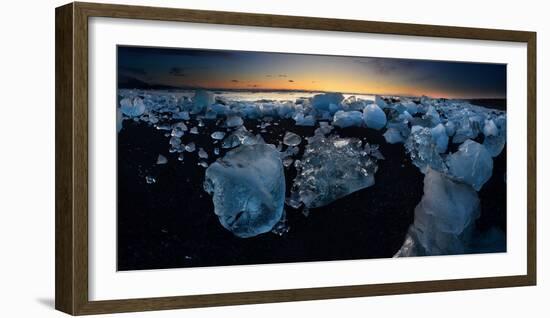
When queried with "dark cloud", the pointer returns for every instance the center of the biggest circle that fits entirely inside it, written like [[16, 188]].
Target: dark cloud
[[291, 81], [235, 81], [387, 66], [253, 85], [282, 75], [133, 70], [268, 75], [177, 71]]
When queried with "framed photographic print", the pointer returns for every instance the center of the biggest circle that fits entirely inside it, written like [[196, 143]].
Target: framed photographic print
[[211, 158]]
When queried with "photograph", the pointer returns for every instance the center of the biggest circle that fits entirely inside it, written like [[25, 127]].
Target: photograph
[[228, 157]]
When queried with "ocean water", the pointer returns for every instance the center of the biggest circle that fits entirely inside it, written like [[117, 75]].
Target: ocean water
[[253, 96]]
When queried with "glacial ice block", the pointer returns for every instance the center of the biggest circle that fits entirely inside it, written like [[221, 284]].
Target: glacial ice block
[[440, 138], [322, 101], [248, 189], [201, 100], [423, 151], [443, 220], [344, 119], [472, 164], [332, 168], [233, 121], [380, 102], [393, 136], [490, 128], [374, 117], [132, 107]]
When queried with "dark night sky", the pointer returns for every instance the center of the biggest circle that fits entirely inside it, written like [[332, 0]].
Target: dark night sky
[[219, 69]]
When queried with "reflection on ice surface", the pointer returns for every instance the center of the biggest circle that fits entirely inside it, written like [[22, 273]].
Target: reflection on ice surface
[[451, 141]]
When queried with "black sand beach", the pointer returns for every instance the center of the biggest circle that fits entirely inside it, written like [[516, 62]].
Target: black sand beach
[[171, 223]]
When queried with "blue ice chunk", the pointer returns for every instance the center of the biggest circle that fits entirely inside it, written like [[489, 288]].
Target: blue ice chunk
[[248, 189], [472, 164], [322, 101], [344, 119], [374, 117]]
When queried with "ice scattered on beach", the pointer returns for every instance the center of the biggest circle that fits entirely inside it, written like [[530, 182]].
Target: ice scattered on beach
[[132, 107], [444, 218], [374, 117], [190, 147], [217, 135], [248, 189], [472, 164], [291, 139], [332, 168]]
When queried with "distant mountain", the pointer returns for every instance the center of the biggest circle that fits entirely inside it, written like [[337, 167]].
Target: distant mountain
[[132, 82]]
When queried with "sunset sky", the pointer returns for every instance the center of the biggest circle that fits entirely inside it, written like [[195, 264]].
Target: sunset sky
[[220, 69]]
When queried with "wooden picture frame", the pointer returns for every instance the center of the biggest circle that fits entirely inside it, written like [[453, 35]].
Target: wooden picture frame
[[71, 268]]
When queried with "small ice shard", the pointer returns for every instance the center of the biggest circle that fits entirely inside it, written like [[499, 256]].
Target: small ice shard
[[203, 164], [374, 117], [423, 151], [373, 151], [194, 130], [440, 138], [217, 135], [190, 147], [175, 141], [323, 101], [332, 168], [233, 121], [393, 136], [150, 179], [118, 120], [287, 162], [444, 218], [490, 129], [282, 227], [302, 120], [290, 151], [291, 139], [248, 189], [344, 119], [132, 108], [178, 129], [380, 102], [203, 154], [324, 128], [200, 123], [180, 157], [231, 141], [472, 164], [201, 100], [181, 115], [216, 151], [161, 160]]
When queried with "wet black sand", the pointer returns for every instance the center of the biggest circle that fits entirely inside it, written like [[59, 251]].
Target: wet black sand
[[171, 224]]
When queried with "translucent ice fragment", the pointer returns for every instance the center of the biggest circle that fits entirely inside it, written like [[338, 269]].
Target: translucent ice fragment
[[472, 164], [248, 189], [345, 119], [161, 160], [374, 117], [291, 139]]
